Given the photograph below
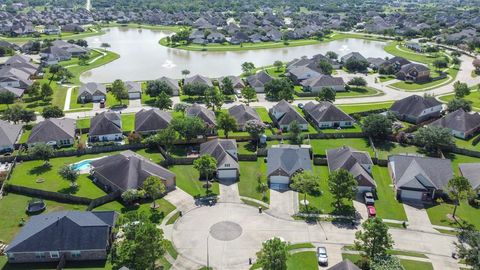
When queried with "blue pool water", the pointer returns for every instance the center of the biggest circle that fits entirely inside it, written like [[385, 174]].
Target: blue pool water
[[82, 165]]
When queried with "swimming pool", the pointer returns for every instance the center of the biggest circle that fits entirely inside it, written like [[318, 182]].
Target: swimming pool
[[82, 165]]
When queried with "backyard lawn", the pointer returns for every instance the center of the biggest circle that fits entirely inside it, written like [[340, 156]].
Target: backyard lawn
[[249, 171], [386, 205], [128, 122], [355, 108], [263, 113], [74, 104], [389, 148], [474, 98], [321, 145], [188, 180]]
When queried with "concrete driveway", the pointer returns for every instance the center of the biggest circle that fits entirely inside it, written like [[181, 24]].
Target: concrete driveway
[[283, 203], [229, 191], [182, 200], [417, 217]]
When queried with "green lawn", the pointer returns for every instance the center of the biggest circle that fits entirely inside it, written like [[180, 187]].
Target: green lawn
[[321, 145], [263, 113], [410, 55], [386, 205], [112, 102], [302, 261], [386, 78], [74, 104], [411, 86], [320, 203], [355, 108], [66, 35], [355, 128], [439, 213], [474, 98], [407, 264], [79, 69], [249, 172], [188, 180], [359, 92], [128, 122], [389, 148]]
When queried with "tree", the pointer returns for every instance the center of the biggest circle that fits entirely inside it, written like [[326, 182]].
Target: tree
[[13, 113], [68, 173], [295, 132], [459, 103], [461, 89], [119, 91], [468, 247], [34, 89], [440, 63], [213, 98], [432, 138], [332, 55], [195, 89], [374, 239], [342, 185], [354, 65], [456, 60], [130, 195], [156, 87], [307, 183], [142, 244], [255, 128], [46, 92], [180, 107], [163, 101], [27, 116], [42, 151], [249, 94], [227, 123], [52, 112], [7, 98], [227, 86], [358, 81], [105, 45], [248, 67], [54, 69], [167, 137], [274, 255], [326, 67], [206, 166], [185, 72], [82, 59], [279, 89], [278, 65], [377, 126], [327, 94], [154, 188], [476, 65], [188, 127], [64, 74], [459, 189]]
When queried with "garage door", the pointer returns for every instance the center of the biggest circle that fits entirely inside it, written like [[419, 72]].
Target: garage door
[[98, 98], [227, 174], [279, 180], [411, 195], [134, 95]]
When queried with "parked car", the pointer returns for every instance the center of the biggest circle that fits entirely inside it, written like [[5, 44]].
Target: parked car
[[300, 105], [369, 199], [102, 103], [372, 212], [322, 256]]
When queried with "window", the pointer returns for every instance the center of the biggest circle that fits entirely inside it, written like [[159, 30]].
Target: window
[[75, 254], [54, 254], [227, 165], [11, 256], [40, 255]]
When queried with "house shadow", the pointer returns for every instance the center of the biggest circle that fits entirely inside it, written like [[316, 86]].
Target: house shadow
[[227, 182], [99, 264]]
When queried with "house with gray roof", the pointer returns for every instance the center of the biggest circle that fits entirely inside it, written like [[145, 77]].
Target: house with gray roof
[[23, 63], [237, 83], [324, 114], [58, 132], [128, 170], [73, 235], [17, 92], [243, 113], [14, 77], [105, 126], [198, 79], [344, 265], [353, 55], [73, 49], [208, 116], [152, 120], [413, 72], [416, 109], [316, 83], [462, 124], [357, 163], [9, 134], [419, 178], [283, 114], [257, 81], [283, 161], [173, 83], [471, 171], [134, 90], [301, 73], [225, 152], [92, 91]]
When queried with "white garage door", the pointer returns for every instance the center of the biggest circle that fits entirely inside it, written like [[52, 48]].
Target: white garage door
[[411, 195], [98, 98], [133, 95], [227, 174]]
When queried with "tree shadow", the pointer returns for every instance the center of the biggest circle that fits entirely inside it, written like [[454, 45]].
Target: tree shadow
[[69, 190], [39, 170]]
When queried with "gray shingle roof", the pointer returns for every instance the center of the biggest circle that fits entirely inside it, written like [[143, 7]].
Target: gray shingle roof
[[344, 265], [289, 114], [414, 105], [355, 162], [65, 230], [243, 113], [471, 171], [92, 87], [17, 92], [259, 79], [203, 113], [406, 68], [105, 123], [198, 79], [325, 111], [52, 129], [323, 81], [133, 87], [459, 120], [222, 150], [152, 120], [288, 159], [9, 133]]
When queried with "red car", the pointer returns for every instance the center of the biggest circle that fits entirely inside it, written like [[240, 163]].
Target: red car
[[372, 212]]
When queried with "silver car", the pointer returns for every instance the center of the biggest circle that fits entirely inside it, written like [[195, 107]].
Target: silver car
[[322, 256], [369, 199]]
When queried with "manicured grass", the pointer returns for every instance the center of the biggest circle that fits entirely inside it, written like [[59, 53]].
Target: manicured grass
[[407, 264], [321, 145], [391, 48], [300, 245], [263, 113], [188, 180], [173, 218], [249, 173], [474, 98], [389, 148], [353, 129], [321, 203], [79, 69], [302, 261], [113, 102], [385, 78], [74, 104], [171, 249], [155, 215], [128, 122], [83, 123], [439, 214], [254, 204], [411, 86], [359, 92], [386, 205], [355, 108], [27, 130]]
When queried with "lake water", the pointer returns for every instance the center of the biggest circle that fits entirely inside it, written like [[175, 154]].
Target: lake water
[[143, 58]]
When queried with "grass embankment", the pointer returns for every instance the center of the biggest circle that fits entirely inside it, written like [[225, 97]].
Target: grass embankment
[[89, 32]]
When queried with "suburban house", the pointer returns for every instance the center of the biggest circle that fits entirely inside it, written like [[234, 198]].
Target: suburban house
[[134, 90], [152, 120], [198, 79], [23, 63], [52, 55], [69, 235], [416, 109], [257, 81], [463, 124], [283, 161], [17, 92], [208, 116], [243, 113], [352, 56], [395, 63], [326, 115], [225, 152], [92, 91], [9, 134], [357, 163], [283, 114], [173, 83], [344, 265], [128, 170], [300, 73], [53, 131], [471, 172], [413, 72], [13, 77], [237, 83], [419, 178], [73, 49], [105, 126], [317, 83]]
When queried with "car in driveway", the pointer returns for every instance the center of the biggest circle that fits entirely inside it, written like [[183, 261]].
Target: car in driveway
[[322, 256], [369, 199], [372, 212]]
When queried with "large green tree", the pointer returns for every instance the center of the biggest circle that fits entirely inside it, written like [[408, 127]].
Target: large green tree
[[206, 166], [461, 89], [279, 89], [188, 127], [163, 101], [295, 132], [214, 98], [68, 173], [155, 87], [326, 94], [249, 94], [374, 239], [377, 126], [459, 103], [226, 123], [432, 138], [42, 151], [459, 189], [119, 91], [468, 246], [274, 255], [307, 183], [154, 188], [255, 128], [343, 186]]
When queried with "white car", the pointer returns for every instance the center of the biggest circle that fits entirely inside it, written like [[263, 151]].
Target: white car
[[322, 256]]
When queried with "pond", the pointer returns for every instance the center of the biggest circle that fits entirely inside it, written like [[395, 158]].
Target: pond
[[143, 58]]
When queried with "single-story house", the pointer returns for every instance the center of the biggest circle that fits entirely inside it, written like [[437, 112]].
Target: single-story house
[[92, 91], [74, 49], [72, 235], [283, 114], [326, 115], [416, 109], [173, 83], [357, 163], [198, 79], [105, 126], [463, 124], [152, 120], [258, 81], [317, 83], [471, 172], [9, 134], [344, 265], [128, 170], [375, 62], [419, 178], [353, 55], [23, 63], [225, 152], [283, 161], [237, 83], [134, 90], [243, 113], [13, 77], [53, 131], [17, 92], [301, 73], [208, 116], [413, 72]]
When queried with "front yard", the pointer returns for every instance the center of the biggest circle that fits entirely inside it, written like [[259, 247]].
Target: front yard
[[188, 180], [249, 173], [386, 205]]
